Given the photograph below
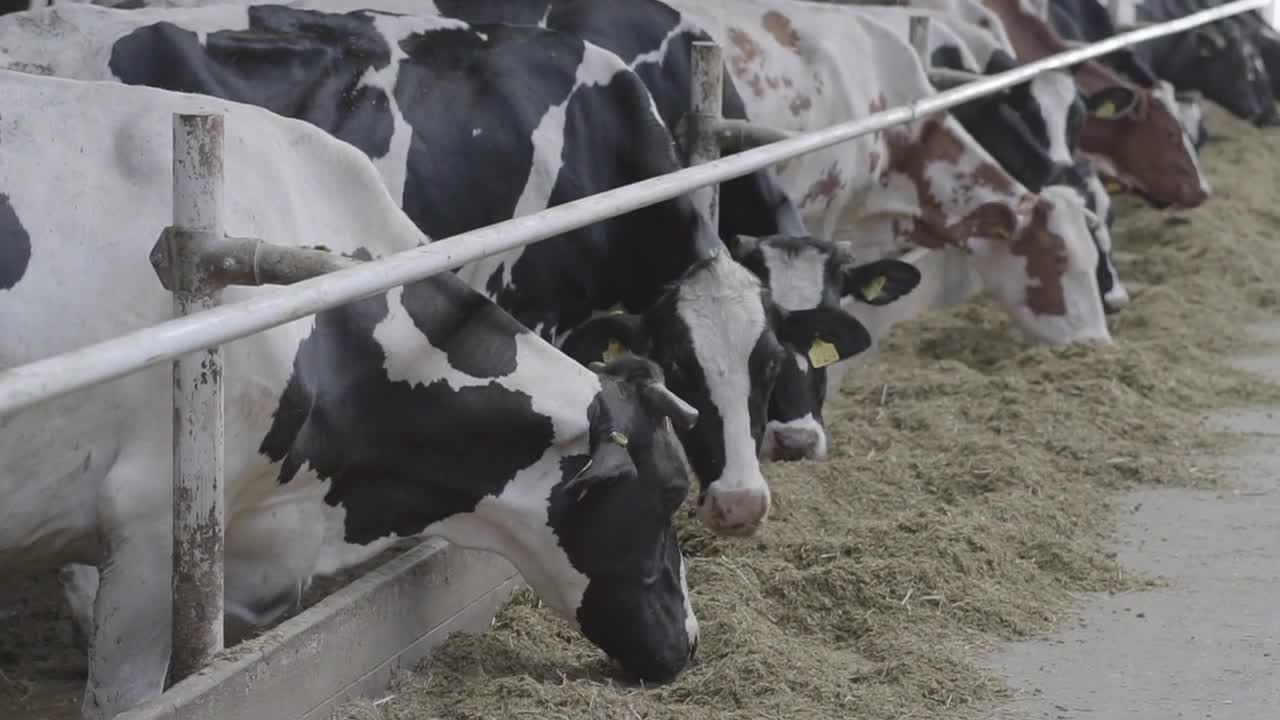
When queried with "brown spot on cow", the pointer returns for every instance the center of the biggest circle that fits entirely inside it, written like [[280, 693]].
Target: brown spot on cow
[[779, 26], [772, 82], [786, 81], [748, 51], [936, 224], [1047, 260], [824, 187], [799, 104]]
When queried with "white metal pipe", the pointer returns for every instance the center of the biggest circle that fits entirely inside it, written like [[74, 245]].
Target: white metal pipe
[[61, 374], [197, 403], [705, 90]]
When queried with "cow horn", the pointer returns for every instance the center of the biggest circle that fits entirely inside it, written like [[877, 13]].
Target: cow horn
[[669, 404]]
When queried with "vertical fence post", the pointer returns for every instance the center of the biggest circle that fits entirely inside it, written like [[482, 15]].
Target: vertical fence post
[[197, 402], [704, 110], [918, 33]]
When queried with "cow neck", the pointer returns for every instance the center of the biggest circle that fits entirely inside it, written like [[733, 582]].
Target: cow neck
[[400, 401], [662, 242]]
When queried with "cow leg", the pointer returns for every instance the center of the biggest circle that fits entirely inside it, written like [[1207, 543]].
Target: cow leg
[[80, 586], [132, 612]]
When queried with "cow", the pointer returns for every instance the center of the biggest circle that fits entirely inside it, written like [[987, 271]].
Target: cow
[[425, 410], [1216, 60], [1030, 129], [925, 183], [1135, 130], [1264, 37], [795, 429], [538, 118]]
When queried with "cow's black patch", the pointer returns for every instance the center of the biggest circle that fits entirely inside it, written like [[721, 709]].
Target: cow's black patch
[[15, 245], [477, 336], [401, 456], [297, 63]]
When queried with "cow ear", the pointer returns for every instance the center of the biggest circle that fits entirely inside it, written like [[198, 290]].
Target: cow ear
[[608, 464], [825, 334], [1112, 102], [880, 282], [605, 338]]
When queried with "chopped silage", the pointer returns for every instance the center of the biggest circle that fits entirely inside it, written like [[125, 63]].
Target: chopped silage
[[966, 498]]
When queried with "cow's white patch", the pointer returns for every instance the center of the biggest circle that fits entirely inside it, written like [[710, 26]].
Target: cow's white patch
[[795, 279], [1055, 93], [690, 620], [1163, 92], [514, 524], [658, 54], [722, 309]]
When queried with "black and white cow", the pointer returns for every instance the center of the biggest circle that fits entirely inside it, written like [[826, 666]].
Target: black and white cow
[[424, 410], [1216, 60], [795, 429], [472, 125]]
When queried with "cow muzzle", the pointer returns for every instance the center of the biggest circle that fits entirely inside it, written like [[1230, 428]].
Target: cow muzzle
[[803, 439], [734, 513]]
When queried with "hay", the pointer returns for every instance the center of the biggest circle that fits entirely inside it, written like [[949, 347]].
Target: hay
[[965, 502]]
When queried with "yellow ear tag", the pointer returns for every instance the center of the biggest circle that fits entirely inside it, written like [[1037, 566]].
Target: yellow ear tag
[[871, 290], [1112, 186], [613, 351], [1105, 110], [822, 353]]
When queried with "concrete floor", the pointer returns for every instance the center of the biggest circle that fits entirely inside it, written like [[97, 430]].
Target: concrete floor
[[1206, 646]]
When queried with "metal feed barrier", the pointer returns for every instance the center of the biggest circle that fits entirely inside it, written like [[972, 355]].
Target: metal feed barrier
[[195, 260]]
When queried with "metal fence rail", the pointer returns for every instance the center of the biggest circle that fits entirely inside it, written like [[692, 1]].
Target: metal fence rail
[[58, 375], [192, 341]]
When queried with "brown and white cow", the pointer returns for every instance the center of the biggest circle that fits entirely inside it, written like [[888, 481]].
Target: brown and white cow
[[1136, 131], [804, 66]]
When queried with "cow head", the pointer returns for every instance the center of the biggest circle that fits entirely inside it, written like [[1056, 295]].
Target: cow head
[[1138, 130], [711, 334], [613, 516], [1045, 275], [809, 280], [1081, 177], [1220, 61]]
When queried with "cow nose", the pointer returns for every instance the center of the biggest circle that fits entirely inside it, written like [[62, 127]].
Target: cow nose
[[1193, 194], [794, 443], [1115, 299], [734, 512]]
